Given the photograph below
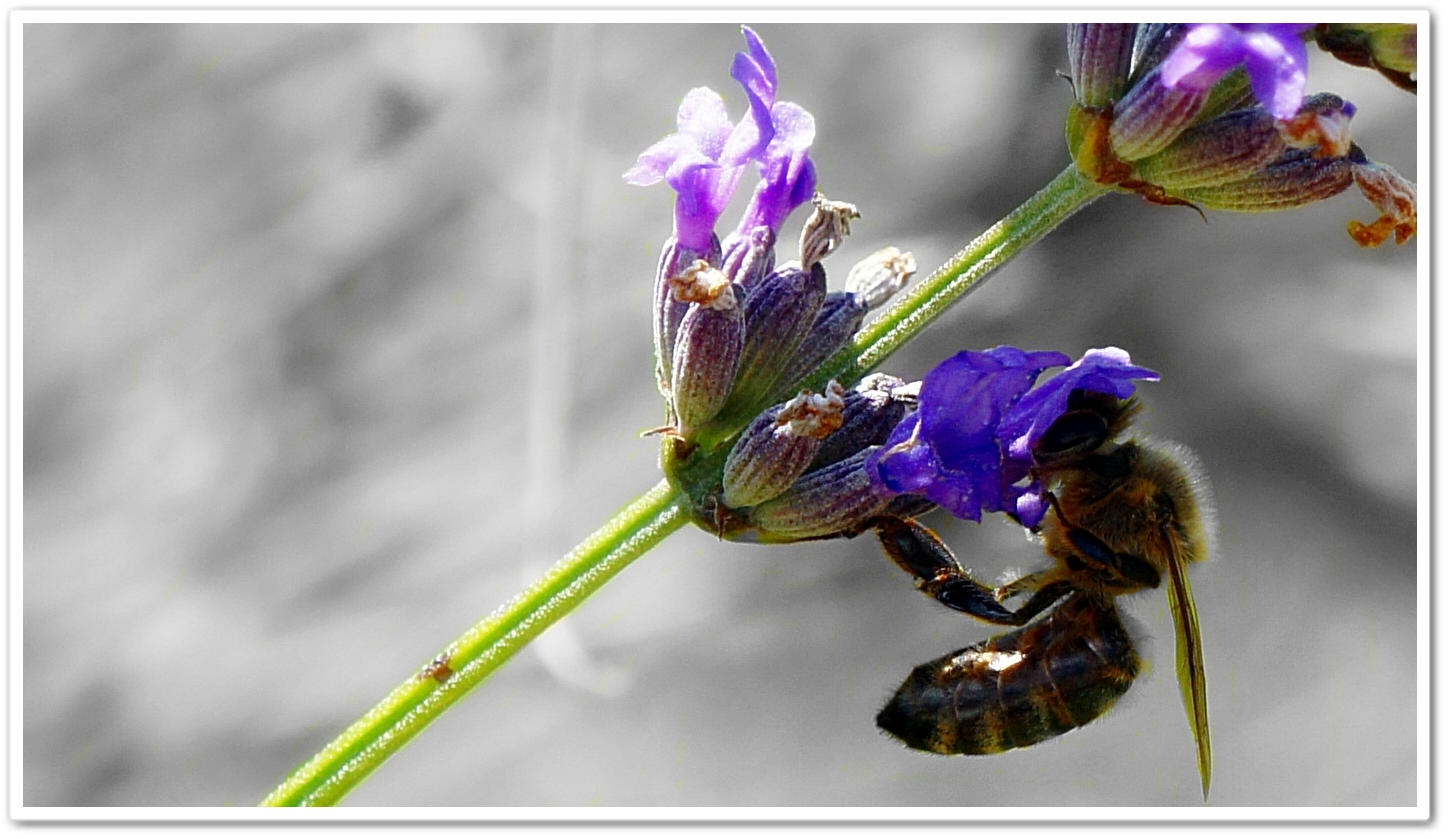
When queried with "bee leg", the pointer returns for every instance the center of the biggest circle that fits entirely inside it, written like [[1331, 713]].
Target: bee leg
[[1024, 584], [924, 556], [1041, 599], [1096, 553]]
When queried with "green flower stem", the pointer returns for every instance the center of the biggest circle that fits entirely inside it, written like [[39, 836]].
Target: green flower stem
[[927, 300], [326, 778]]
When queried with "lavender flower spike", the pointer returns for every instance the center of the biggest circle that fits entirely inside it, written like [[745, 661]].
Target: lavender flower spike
[[704, 160], [1274, 55]]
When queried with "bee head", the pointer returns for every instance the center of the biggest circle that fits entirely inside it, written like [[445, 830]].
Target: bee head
[[1092, 419]]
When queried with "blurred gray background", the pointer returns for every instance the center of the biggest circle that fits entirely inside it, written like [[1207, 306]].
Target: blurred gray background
[[336, 336]]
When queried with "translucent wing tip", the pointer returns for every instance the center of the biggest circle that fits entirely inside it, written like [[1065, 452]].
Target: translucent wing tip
[[1191, 676]]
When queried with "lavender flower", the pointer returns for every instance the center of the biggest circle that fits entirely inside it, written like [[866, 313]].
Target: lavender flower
[[968, 446], [787, 175], [949, 449], [704, 159], [1273, 54]]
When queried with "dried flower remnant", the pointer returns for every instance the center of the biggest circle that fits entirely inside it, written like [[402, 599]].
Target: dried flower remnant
[[879, 276], [1319, 128], [826, 228], [703, 284], [1394, 197], [780, 445]]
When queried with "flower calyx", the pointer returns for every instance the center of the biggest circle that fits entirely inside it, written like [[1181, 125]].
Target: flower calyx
[[1214, 116]]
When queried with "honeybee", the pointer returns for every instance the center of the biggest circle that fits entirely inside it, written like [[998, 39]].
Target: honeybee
[[1123, 517]]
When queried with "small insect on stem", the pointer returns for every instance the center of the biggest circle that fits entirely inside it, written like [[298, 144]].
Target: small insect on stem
[[437, 669]]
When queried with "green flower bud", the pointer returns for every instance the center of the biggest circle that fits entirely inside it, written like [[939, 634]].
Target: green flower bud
[[749, 259], [668, 309], [1229, 148], [1395, 198], [1151, 115], [872, 282], [1390, 48], [1296, 179]]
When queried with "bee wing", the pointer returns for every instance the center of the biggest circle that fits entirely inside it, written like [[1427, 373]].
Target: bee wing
[[1191, 677]]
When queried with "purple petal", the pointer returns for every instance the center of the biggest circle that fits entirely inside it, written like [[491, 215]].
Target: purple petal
[[761, 58], [950, 449], [703, 128], [1278, 69], [1107, 370], [755, 71], [655, 161], [702, 117], [901, 466], [787, 174], [1274, 55], [1205, 54], [968, 445]]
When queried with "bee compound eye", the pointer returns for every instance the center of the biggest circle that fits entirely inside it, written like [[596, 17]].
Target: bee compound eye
[[1073, 435]]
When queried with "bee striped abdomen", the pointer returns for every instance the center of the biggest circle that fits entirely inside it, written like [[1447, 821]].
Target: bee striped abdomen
[[1020, 688]]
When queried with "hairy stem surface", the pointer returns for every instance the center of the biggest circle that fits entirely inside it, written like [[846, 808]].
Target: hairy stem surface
[[484, 648]]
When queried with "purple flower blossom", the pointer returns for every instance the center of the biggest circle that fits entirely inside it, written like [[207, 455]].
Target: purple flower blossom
[[704, 160], [1274, 55], [787, 175], [949, 449], [968, 446]]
